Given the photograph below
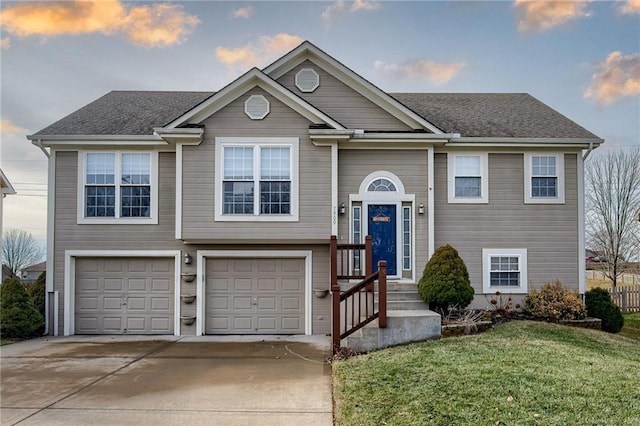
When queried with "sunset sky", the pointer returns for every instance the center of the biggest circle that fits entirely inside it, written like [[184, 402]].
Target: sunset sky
[[581, 58]]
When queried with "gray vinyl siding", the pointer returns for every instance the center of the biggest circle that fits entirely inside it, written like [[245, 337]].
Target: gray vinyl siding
[[549, 232], [198, 177], [411, 168], [342, 103]]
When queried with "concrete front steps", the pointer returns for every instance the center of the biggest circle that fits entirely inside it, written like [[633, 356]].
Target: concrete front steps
[[408, 320]]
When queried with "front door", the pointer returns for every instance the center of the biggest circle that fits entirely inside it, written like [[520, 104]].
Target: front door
[[382, 228]]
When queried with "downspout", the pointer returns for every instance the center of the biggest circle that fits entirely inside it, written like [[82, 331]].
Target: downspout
[[38, 143], [586, 154]]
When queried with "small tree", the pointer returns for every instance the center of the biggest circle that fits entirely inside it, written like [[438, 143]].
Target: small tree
[[18, 317], [20, 250], [445, 281], [613, 207]]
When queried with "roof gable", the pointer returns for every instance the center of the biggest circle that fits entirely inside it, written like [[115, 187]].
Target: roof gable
[[308, 51], [253, 78]]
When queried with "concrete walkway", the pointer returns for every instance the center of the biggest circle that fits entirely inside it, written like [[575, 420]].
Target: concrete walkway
[[135, 380]]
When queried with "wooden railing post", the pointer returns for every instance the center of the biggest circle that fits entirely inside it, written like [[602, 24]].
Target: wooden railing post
[[335, 295], [382, 294], [368, 255]]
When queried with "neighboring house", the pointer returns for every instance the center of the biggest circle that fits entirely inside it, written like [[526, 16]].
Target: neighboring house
[[6, 272], [30, 274], [5, 189], [232, 196]]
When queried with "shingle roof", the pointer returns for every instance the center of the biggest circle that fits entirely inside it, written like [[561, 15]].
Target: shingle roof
[[470, 114], [126, 113], [517, 115]]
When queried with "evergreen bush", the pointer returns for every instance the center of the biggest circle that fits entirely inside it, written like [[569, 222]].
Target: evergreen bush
[[600, 305], [18, 317], [445, 281]]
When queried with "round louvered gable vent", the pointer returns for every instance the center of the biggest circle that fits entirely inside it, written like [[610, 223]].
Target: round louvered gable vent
[[256, 107], [307, 80]]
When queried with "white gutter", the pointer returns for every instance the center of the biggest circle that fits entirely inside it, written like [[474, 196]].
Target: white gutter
[[38, 143]]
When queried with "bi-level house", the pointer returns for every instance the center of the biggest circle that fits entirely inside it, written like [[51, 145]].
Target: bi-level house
[[233, 196]]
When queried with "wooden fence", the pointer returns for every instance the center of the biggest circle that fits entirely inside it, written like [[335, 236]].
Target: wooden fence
[[625, 279], [626, 297]]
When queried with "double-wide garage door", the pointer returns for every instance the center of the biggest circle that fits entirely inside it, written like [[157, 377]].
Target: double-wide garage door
[[124, 295], [254, 296]]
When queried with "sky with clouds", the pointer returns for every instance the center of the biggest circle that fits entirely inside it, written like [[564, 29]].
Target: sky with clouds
[[581, 58]]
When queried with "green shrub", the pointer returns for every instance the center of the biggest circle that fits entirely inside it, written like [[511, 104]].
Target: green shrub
[[37, 292], [18, 317], [553, 303], [599, 305], [445, 281]]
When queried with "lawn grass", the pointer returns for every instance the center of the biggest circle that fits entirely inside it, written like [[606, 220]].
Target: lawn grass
[[631, 327], [522, 372]]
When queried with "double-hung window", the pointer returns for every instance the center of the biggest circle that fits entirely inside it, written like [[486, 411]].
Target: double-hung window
[[257, 179], [468, 178], [544, 178], [505, 270], [117, 187]]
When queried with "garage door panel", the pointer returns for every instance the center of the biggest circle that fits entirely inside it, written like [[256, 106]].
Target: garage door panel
[[87, 285], [291, 284], [113, 284], [87, 303], [243, 324], [161, 285], [267, 324], [161, 304], [113, 265], [291, 323], [112, 303], [242, 284], [291, 303], [267, 284], [242, 303], [113, 324], [124, 296], [261, 295], [266, 303], [137, 284]]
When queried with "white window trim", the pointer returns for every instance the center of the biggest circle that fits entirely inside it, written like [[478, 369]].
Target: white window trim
[[83, 220], [261, 116], [528, 161], [308, 90], [487, 254], [221, 142], [484, 178]]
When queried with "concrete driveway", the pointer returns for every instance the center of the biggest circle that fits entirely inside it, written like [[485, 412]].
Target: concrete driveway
[[135, 380]]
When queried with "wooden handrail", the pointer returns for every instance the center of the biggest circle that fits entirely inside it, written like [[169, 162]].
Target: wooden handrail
[[358, 301]]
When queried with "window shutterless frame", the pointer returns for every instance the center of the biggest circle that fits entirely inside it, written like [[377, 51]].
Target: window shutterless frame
[[118, 188], [501, 268], [543, 173], [463, 171], [263, 189]]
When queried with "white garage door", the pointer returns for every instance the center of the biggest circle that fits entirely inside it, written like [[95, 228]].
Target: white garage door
[[124, 296], [254, 296]]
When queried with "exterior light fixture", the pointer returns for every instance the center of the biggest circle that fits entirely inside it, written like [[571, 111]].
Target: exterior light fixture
[[421, 209], [343, 209], [187, 259]]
